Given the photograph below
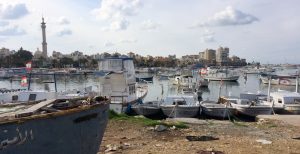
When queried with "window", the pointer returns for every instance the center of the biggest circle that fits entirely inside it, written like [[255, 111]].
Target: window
[[32, 97], [15, 98], [279, 100]]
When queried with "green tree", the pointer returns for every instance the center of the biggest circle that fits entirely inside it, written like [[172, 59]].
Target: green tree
[[21, 57]]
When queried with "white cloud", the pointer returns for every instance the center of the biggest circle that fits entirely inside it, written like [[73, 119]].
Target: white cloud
[[3, 23], [119, 25], [228, 17], [117, 11], [149, 25], [13, 11], [63, 21], [64, 32], [12, 31], [207, 36]]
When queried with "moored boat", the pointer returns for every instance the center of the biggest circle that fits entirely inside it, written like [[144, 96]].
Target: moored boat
[[184, 106], [149, 109], [216, 110]]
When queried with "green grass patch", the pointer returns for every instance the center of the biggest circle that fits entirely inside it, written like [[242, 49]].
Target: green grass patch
[[144, 121], [240, 124]]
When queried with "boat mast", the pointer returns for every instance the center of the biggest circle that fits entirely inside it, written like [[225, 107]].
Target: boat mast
[[297, 84], [269, 88]]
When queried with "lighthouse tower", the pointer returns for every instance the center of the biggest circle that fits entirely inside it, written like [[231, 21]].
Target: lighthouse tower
[[44, 43]]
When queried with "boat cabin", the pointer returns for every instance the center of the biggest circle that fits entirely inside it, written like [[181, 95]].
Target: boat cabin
[[285, 98]]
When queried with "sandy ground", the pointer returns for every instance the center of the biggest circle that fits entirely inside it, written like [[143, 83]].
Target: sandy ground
[[234, 138]]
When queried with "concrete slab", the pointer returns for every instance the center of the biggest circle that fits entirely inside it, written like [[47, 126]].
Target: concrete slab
[[289, 119]]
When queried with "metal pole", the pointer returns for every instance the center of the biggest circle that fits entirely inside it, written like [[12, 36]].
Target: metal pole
[[297, 84], [55, 82], [29, 81], [269, 88]]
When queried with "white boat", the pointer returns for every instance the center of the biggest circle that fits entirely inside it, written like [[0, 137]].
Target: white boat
[[279, 80], [289, 101], [180, 106], [221, 75], [222, 78], [250, 108], [119, 82], [216, 110]]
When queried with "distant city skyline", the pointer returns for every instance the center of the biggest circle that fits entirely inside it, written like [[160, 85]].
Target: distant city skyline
[[265, 31]]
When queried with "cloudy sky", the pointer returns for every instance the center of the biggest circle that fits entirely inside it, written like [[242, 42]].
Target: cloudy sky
[[261, 30]]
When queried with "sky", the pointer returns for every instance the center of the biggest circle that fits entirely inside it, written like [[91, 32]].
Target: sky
[[263, 30]]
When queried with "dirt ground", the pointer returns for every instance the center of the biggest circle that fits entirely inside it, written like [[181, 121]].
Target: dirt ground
[[233, 138]]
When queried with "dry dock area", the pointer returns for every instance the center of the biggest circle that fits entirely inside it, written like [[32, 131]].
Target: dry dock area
[[265, 136]]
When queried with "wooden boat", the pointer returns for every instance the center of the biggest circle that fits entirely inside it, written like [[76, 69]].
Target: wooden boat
[[215, 110], [44, 128]]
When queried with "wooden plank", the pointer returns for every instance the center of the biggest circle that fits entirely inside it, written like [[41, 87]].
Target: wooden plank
[[34, 108]]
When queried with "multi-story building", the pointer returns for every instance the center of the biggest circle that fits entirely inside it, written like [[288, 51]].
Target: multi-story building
[[222, 56], [4, 52], [210, 56]]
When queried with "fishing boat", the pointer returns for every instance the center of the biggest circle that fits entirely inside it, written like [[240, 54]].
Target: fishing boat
[[118, 82], [216, 110], [249, 108], [221, 75], [55, 126], [180, 106], [289, 101], [149, 109], [286, 80]]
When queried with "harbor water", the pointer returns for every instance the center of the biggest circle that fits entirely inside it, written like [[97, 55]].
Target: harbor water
[[157, 90]]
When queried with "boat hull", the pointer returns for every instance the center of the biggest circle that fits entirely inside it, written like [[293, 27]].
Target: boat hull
[[180, 111], [232, 78], [219, 113], [76, 131], [254, 111]]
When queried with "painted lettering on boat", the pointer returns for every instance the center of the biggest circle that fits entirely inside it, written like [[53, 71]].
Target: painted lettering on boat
[[86, 118], [21, 138]]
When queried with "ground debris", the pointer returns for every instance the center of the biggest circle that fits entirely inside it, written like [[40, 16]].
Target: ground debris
[[209, 152], [160, 128], [201, 138], [263, 141]]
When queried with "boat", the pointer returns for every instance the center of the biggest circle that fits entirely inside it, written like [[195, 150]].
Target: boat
[[249, 108], [118, 82], [221, 75], [216, 110], [144, 79], [286, 80], [289, 101], [222, 78], [46, 128], [180, 106], [185, 81], [149, 109]]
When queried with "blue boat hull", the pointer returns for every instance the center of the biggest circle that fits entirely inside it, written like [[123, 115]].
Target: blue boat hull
[[76, 131]]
